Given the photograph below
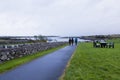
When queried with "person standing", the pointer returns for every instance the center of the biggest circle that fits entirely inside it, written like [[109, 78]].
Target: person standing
[[72, 41], [76, 41]]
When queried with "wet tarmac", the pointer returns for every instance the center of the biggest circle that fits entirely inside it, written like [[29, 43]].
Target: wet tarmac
[[49, 67]]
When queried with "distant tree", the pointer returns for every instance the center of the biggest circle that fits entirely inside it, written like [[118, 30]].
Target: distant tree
[[36, 37], [40, 38], [100, 36]]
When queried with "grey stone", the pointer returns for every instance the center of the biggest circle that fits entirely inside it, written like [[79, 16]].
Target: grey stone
[[4, 57]]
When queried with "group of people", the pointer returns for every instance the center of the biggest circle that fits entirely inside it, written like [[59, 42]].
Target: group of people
[[72, 41]]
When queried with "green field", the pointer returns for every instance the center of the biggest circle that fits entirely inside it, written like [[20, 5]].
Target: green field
[[90, 63], [8, 65]]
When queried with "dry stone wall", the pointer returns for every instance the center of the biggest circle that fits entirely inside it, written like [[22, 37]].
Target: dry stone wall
[[9, 52]]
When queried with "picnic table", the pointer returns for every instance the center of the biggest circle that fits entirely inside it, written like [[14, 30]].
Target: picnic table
[[103, 44]]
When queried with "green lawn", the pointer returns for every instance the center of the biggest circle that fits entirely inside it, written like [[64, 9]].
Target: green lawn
[[90, 63], [16, 62]]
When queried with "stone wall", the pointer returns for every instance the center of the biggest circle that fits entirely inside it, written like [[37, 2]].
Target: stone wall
[[9, 52]]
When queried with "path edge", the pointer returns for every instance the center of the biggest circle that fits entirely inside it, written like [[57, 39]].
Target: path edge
[[68, 64]]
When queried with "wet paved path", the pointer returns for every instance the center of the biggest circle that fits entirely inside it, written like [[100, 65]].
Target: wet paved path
[[49, 67]]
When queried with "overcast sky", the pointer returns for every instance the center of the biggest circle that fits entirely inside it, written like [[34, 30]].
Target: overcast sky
[[59, 17]]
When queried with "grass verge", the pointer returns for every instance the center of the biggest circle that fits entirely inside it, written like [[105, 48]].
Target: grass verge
[[8, 65], [90, 63]]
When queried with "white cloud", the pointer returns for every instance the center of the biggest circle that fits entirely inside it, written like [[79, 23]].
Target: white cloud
[[59, 17]]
